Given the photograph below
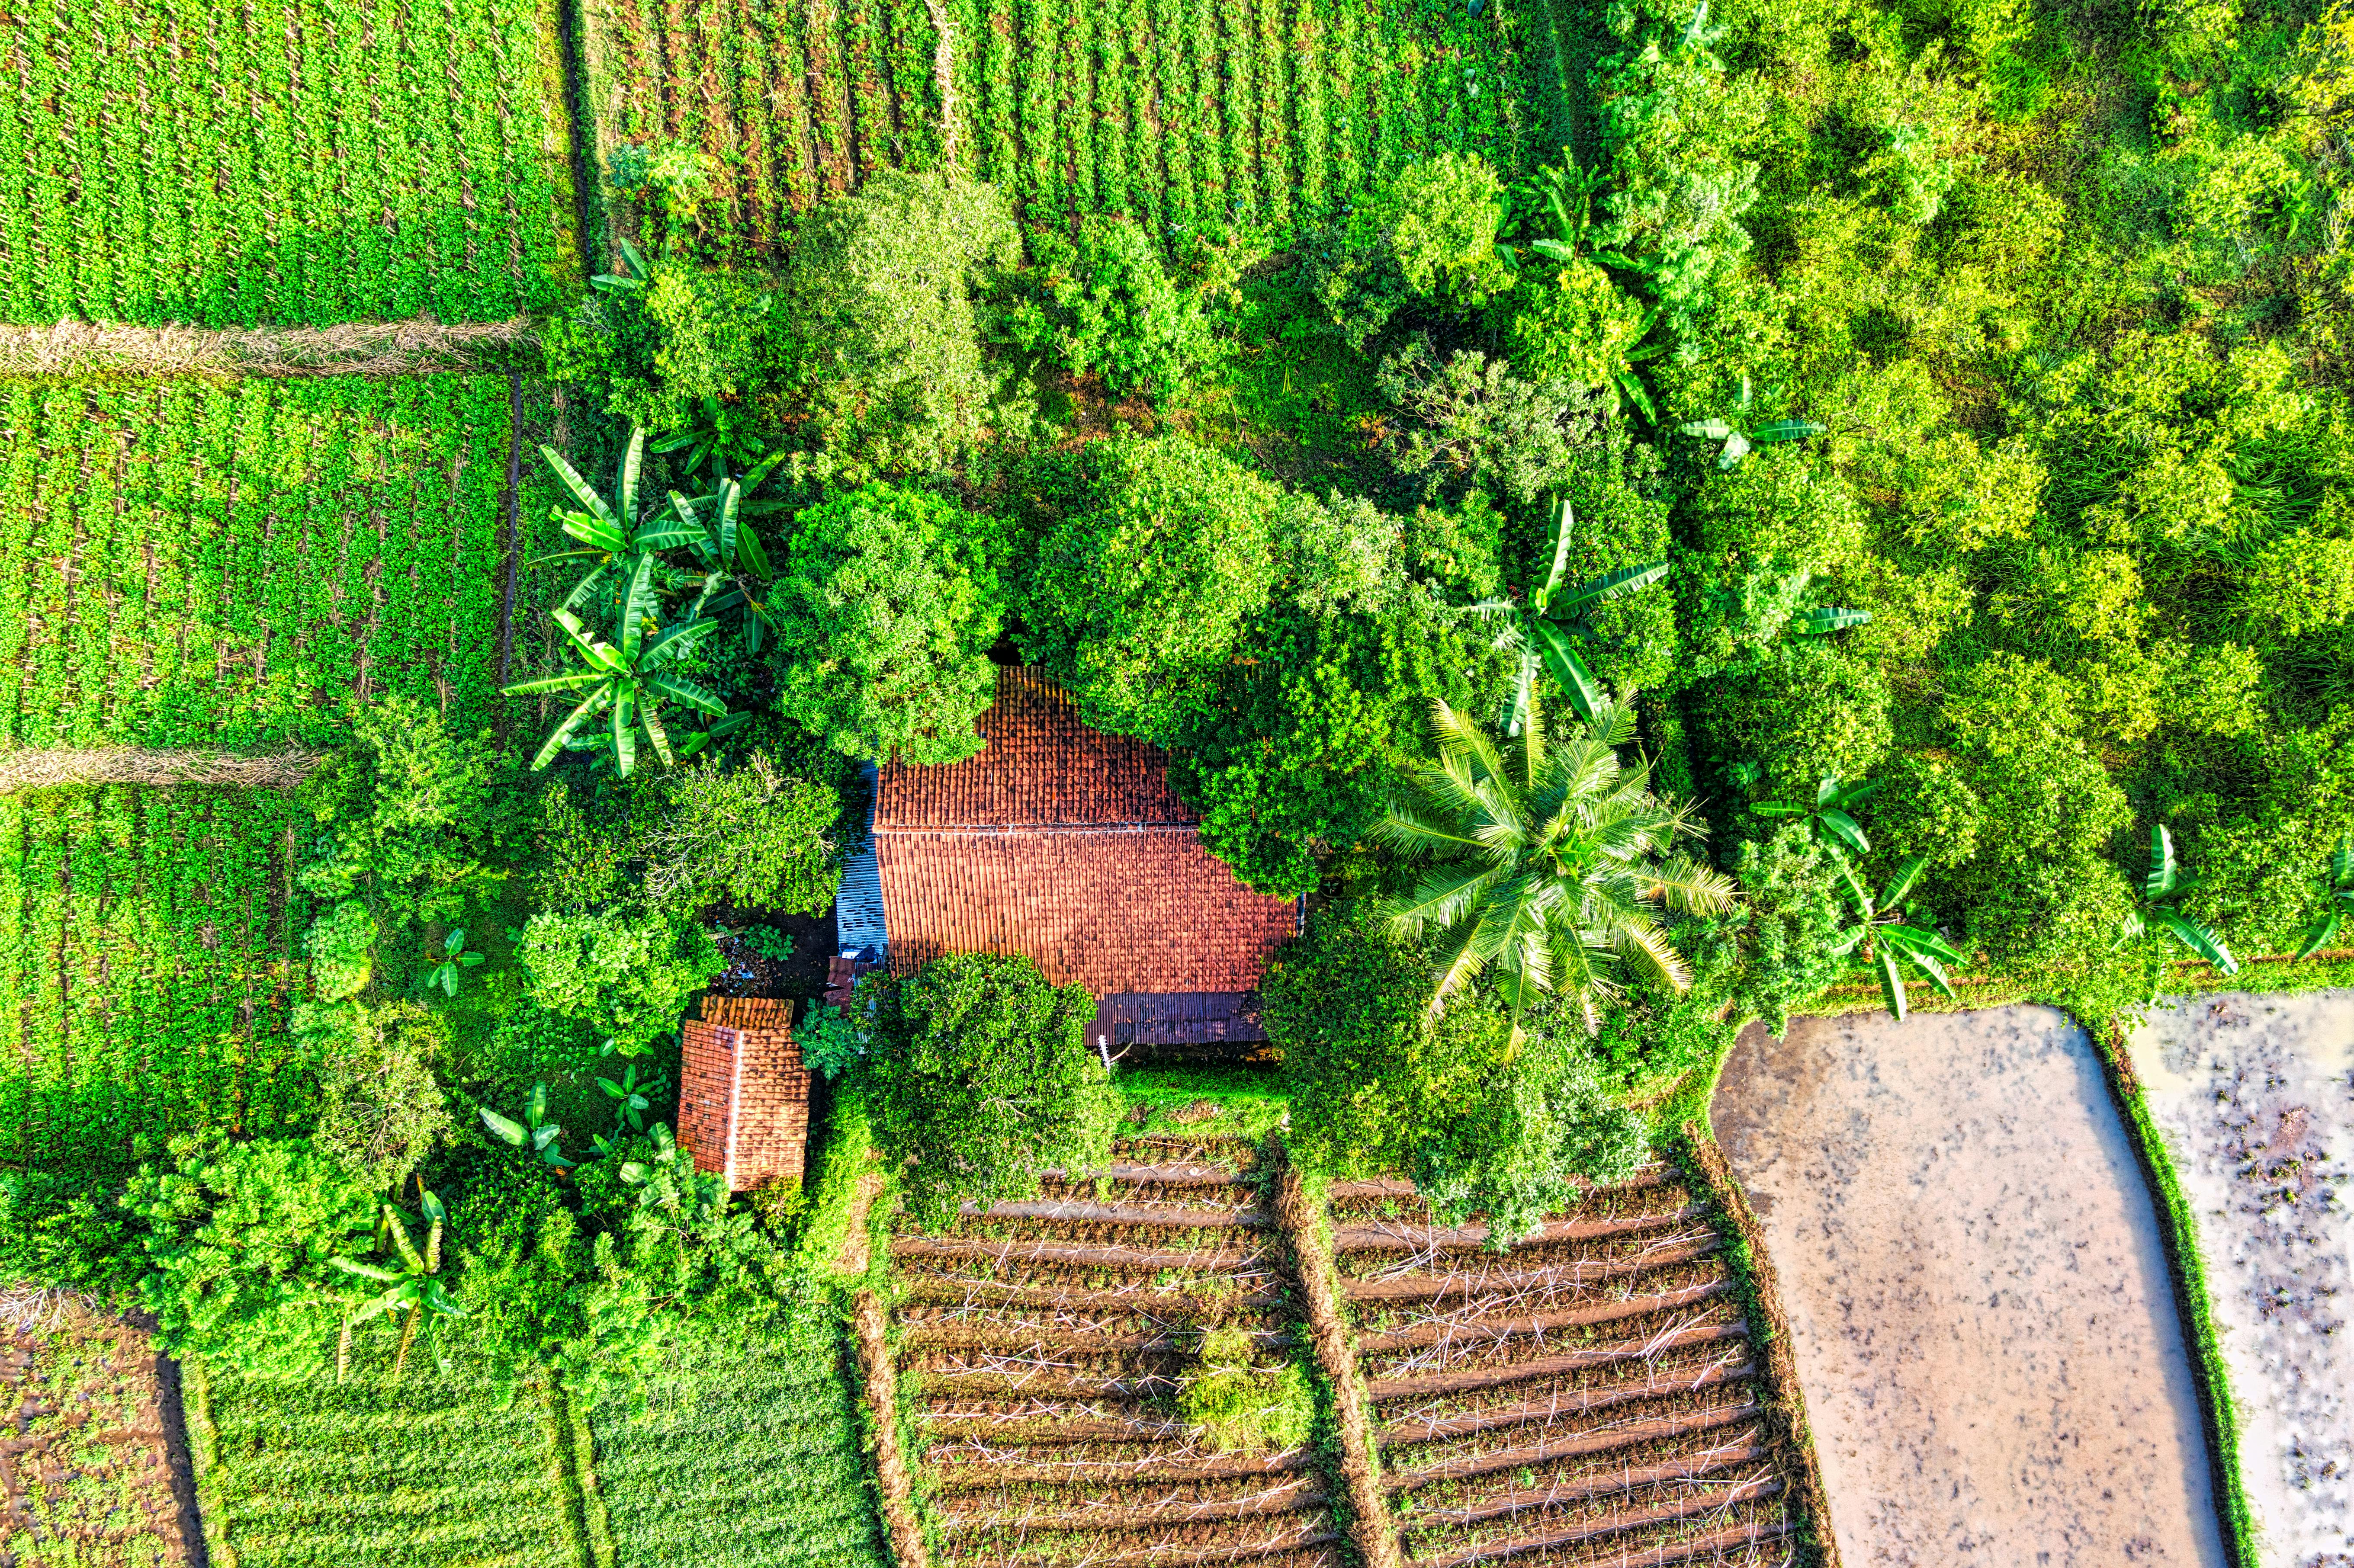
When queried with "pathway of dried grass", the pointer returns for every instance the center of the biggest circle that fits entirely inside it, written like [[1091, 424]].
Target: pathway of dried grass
[[357, 348]]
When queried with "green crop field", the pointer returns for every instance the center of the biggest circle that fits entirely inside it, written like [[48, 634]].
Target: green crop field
[[1185, 117], [145, 970], [200, 563], [433, 1468], [283, 163], [743, 1456]]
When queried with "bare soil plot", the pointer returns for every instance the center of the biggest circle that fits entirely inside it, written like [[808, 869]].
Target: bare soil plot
[[1970, 1262], [83, 1460], [1588, 1397], [2254, 1097], [1048, 1341]]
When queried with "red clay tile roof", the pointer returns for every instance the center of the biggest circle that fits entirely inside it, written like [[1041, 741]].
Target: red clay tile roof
[[1065, 845], [1042, 768]]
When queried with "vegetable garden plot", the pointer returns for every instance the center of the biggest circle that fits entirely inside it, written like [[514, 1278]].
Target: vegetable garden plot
[[431, 1469], [283, 162], [145, 966], [742, 1456], [1051, 1342], [191, 563], [83, 1467], [1589, 1397], [1183, 114]]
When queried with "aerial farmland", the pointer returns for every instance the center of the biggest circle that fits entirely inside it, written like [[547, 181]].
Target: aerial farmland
[[1130, 784]]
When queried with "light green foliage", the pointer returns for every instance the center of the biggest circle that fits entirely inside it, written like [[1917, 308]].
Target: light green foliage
[[2297, 584], [1791, 883], [980, 1076], [1240, 1408], [341, 945], [1426, 238], [831, 1044], [749, 834], [885, 614], [381, 1112], [1575, 326], [777, 1477], [677, 335], [880, 291], [1105, 306], [404, 814], [240, 1236], [1139, 597], [626, 977]]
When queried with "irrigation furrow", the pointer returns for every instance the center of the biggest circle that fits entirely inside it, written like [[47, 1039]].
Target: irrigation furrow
[[1617, 1524], [1382, 1390], [1398, 1236], [1455, 1335], [1546, 1411]]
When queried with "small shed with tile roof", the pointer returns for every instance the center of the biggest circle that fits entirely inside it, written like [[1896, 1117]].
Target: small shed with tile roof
[[1066, 844]]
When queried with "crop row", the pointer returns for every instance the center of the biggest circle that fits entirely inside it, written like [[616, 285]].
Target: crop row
[[281, 161], [1182, 114], [200, 563], [145, 965]]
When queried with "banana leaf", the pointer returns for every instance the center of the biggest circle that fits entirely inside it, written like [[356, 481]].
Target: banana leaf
[[1902, 883], [2197, 937], [1817, 623], [1774, 431], [1561, 657], [2318, 935], [1845, 829], [582, 490], [1612, 585], [1892, 982], [2165, 877]]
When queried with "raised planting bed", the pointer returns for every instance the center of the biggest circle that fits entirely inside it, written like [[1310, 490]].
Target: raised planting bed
[[2253, 1097], [1589, 1395], [1049, 1345]]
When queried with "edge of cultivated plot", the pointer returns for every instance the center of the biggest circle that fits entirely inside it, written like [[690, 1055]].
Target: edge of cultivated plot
[[2186, 1273], [576, 1475], [203, 1458], [1759, 1292], [1306, 1222]]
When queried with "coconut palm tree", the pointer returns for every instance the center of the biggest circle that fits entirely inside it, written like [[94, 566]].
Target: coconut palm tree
[[1547, 862]]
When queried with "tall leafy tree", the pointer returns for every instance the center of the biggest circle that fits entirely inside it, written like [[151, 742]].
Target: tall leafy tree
[[1547, 862]]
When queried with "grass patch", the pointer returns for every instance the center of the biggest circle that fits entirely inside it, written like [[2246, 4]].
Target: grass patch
[[1202, 1102]]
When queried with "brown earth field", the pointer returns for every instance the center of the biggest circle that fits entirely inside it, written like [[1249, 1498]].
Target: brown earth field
[[1970, 1258], [1588, 1396]]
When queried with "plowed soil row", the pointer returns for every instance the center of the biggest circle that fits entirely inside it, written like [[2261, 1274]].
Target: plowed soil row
[[1049, 1342], [1586, 1395]]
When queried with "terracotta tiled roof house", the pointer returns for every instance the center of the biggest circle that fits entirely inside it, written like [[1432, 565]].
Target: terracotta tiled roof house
[[1066, 844], [742, 1103]]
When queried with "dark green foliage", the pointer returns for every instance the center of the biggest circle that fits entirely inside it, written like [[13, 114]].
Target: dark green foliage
[[884, 615], [749, 834], [1105, 306], [1139, 597], [890, 377], [1797, 915], [64, 1230], [1470, 422], [1802, 712], [404, 814], [656, 352], [980, 1076]]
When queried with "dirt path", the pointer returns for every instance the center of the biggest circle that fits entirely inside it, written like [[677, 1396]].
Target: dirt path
[[2254, 1097], [1971, 1266]]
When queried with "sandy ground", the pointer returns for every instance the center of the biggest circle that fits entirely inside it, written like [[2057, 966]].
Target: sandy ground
[[1969, 1257], [2254, 1097]]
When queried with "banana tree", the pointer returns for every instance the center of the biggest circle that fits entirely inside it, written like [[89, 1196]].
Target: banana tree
[[735, 567], [615, 537], [2161, 890], [1542, 630], [1830, 813], [535, 1132], [635, 1096], [2338, 901], [454, 959], [720, 434], [1739, 435], [628, 684], [1892, 942], [414, 1290]]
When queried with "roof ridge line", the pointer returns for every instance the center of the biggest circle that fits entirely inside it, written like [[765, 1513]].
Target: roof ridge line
[[1033, 830]]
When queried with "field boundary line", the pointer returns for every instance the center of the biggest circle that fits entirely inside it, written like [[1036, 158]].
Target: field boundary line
[[881, 1378], [1773, 1352], [575, 1465], [204, 1457], [418, 347], [1303, 1222], [179, 1458], [67, 767], [2186, 1274]]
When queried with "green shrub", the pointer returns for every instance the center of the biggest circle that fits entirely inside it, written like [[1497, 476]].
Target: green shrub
[[340, 946], [1139, 597], [886, 611], [2298, 583], [381, 1112], [1926, 807], [1426, 238], [1470, 421], [1105, 306], [980, 1077], [1797, 914], [1575, 326], [60, 1228], [626, 978], [1803, 712], [653, 355], [880, 288], [747, 834], [1240, 1408], [406, 814]]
